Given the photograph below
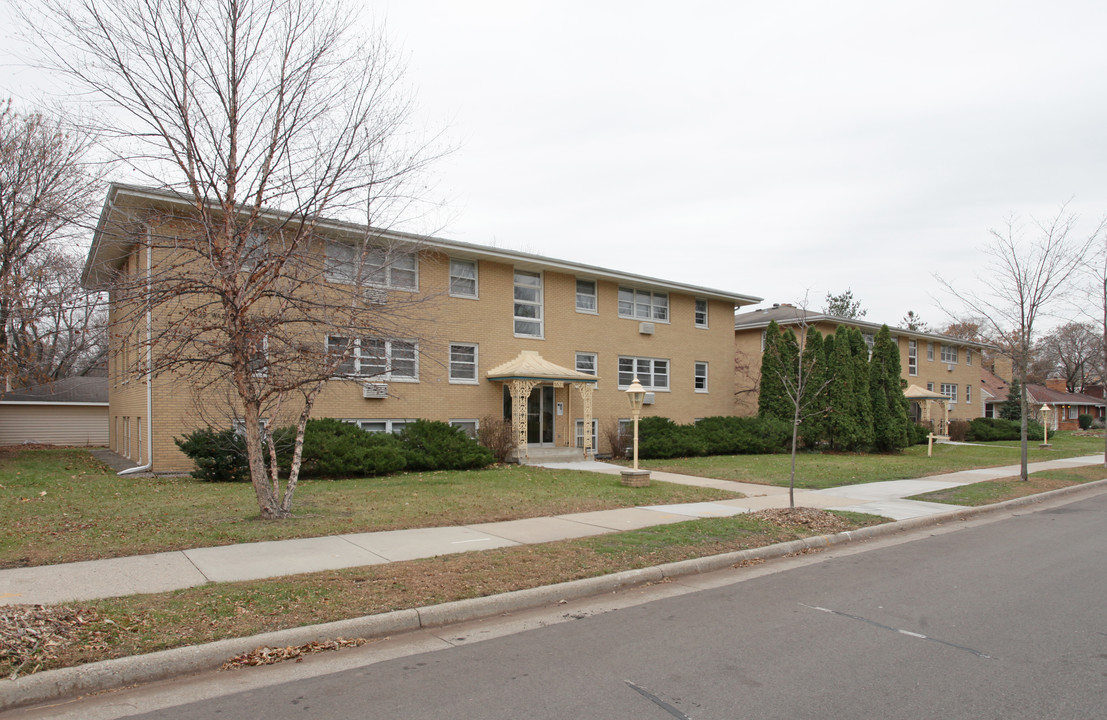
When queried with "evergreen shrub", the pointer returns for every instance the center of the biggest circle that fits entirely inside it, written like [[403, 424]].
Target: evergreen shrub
[[219, 455], [1084, 420], [993, 429], [433, 445], [333, 448]]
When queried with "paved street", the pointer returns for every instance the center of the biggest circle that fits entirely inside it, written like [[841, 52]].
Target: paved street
[[996, 617]]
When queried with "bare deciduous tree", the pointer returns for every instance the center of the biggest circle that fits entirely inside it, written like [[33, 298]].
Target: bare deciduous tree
[[1075, 351], [47, 193], [255, 119], [1024, 278]]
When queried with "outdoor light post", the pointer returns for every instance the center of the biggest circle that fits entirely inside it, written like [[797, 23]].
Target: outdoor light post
[[635, 477], [1045, 426]]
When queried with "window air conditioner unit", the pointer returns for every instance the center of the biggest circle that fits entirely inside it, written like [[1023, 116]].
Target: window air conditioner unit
[[374, 391], [647, 399], [949, 367], [645, 328], [375, 295]]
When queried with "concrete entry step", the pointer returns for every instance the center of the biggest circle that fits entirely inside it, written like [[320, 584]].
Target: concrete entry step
[[537, 456]]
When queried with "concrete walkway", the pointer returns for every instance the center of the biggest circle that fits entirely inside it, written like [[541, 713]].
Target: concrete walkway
[[252, 561]]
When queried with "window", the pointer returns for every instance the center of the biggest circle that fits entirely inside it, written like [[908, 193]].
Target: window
[[968, 356], [528, 304], [463, 278], [968, 393], [930, 351], [700, 377], [376, 357], [376, 426], [643, 305], [701, 313], [258, 361], [870, 340], [912, 357], [579, 434], [930, 387], [949, 353], [254, 249], [401, 272], [587, 363], [950, 391], [652, 373], [763, 335], [463, 363], [586, 296], [469, 427]]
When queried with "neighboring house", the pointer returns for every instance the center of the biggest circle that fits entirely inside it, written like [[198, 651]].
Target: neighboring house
[[1065, 408], [938, 365], [72, 411], [993, 392], [556, 340]]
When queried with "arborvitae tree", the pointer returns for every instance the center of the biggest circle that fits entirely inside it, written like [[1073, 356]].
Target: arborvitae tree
[[840, 426], [814, 400], [778, 363], [1011, 409], [890, 421], [860, 352]]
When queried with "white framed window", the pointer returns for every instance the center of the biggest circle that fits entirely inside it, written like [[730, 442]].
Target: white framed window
[[468, 425], [870, 340], [258, 362], [948, 353], [586, 297], [463, 278], [345, 263], [950, 391], [968, 356], [699, 376], [912, 357], [930, 387], [968, 393], [930, 351], [587, 363], [255, 249], [643, 305], [463, 363], [528, 304], [579, 433], [379, 358], [701, 313], [764, 334], [381, 425], [652, 373]]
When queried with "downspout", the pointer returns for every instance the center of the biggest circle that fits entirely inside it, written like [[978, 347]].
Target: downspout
[[149, 374]]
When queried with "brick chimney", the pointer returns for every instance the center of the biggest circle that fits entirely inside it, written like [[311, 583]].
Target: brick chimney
[[1057, 384]]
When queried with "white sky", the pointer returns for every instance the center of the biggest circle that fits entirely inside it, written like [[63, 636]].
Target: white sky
[[772, 148]]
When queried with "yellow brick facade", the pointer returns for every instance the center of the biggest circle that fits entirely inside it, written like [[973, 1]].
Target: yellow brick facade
[[486, 321]]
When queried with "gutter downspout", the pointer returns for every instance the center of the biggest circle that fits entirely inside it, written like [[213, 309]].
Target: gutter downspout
[[149, 374]]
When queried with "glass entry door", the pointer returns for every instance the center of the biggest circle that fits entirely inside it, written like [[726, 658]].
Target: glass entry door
[[540, 416]]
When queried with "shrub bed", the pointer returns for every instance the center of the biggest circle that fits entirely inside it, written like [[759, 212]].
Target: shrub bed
[[992, 429], [660, 438]]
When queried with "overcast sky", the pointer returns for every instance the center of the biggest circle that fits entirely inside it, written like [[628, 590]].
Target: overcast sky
[[772, 149]]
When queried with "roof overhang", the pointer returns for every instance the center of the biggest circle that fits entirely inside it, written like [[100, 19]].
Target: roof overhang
[[124, 205], [529, 365]]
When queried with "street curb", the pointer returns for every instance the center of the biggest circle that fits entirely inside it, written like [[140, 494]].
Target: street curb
[[164, 664]]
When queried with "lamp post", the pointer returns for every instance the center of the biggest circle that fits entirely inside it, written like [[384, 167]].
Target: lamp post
[[636, 394], [1045, 425]]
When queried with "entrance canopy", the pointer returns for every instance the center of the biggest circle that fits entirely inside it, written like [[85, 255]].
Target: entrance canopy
[[526, 372], [924, 398]]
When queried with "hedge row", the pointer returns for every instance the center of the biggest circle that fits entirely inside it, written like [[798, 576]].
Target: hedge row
[[333, 448], [660, 437]]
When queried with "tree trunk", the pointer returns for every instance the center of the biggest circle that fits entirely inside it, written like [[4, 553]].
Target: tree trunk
[[268, 503]]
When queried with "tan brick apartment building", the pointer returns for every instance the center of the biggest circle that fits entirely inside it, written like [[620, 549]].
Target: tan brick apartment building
[[484, 307], [943, 365]]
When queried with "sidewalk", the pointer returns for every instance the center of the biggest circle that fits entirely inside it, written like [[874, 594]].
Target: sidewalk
[[252, 561]]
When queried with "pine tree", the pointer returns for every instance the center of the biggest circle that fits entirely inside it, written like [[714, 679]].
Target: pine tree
[[1011, 409], [890, 421], [840, 426], [778, 364]]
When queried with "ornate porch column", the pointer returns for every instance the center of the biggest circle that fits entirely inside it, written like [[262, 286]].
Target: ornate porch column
[[586, 389], [520, 393]]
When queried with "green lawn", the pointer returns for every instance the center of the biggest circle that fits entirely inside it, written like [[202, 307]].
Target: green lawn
[[63, 505], [994, 491], [826, 470]]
